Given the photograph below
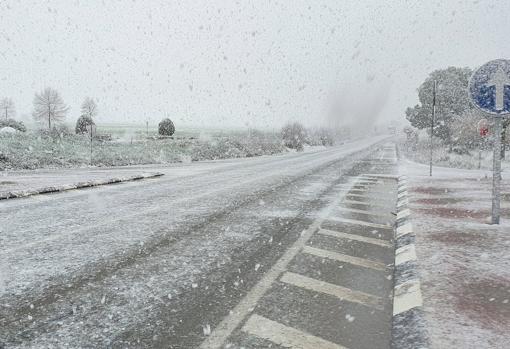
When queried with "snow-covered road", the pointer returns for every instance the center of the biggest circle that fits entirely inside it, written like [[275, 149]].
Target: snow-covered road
[[124, 265]]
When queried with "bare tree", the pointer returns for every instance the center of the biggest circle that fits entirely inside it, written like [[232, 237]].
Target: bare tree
[[49, 106], [7, 108], [89, 108]]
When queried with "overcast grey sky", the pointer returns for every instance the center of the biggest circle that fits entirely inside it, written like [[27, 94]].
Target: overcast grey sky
[[241, 63]]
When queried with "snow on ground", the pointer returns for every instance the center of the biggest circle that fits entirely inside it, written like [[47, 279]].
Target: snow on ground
[[464, 262], [151, 229]]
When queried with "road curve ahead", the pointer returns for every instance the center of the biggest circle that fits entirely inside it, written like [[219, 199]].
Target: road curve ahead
[[163, 262]]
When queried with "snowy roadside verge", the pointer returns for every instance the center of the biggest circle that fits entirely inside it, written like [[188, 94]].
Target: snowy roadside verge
[[463, 260], [408, 328], [80, 185]]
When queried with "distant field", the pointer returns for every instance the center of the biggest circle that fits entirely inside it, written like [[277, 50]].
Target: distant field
[[141, 130], [127, 131]]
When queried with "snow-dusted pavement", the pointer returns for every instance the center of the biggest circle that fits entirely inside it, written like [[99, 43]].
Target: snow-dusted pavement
[[464, 262], [157, 263]]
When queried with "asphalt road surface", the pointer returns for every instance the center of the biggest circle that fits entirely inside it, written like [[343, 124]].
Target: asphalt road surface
[[271, 252]]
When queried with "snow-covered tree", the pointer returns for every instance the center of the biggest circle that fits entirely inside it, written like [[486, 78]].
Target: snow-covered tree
[[89, 108], [49, 107], [166, 127], [82, 123], [464, 130], [7, 109], [294, 135], [451, 101]]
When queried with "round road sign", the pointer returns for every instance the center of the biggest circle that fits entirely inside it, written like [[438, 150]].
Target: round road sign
[[489, 87]]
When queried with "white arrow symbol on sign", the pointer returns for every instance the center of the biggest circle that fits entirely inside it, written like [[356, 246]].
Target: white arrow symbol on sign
[[499, 80]]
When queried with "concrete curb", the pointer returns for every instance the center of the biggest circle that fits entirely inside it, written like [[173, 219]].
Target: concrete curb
[[409, 328], [88, 184]]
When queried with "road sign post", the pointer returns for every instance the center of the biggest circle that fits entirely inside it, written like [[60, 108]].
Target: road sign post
[[496, 175], [91, 129], [489, 89], [432, 125]]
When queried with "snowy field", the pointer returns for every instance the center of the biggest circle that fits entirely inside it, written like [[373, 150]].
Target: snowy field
[[31, 151], [441, 156], [464, 261]]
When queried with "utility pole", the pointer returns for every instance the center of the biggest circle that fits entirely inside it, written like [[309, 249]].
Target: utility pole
[[147, 124], [432, 124], [91, 140]]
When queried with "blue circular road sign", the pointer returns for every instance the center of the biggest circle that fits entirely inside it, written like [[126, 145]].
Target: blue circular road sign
[[489, 87]]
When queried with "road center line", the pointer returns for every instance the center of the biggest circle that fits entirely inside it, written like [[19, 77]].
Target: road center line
[[361, 262], [343, 293], [285, 336], [354, 237]]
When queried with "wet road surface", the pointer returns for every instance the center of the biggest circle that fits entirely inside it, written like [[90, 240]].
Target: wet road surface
[[174, 262]]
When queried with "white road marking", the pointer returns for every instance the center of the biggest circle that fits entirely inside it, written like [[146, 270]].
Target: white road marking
[[407, 296], [405, 254], [363, 223], [343, 293], [380, 176], [359, 190], [361, 262], [369, 191], [285, 336], [371, 213], [401, 195], [248, 303], [354, 237], [378, 199], [368, 181], [365, 203], [402, 202], [403, 214], [404, 229]]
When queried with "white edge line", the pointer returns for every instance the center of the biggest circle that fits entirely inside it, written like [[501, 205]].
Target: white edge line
[[284, 335], [360, 262], [407, 296], [343, 293], [340, 235], [405, 254]]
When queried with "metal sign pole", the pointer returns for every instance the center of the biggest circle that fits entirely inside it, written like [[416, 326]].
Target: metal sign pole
[[496, 172], [432, 125], [91, 137]]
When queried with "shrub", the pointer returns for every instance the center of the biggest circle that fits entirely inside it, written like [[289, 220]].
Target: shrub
[[57, 131], [17, 125], [321, 136], [82, 123], [166, 127], [294, 136]]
